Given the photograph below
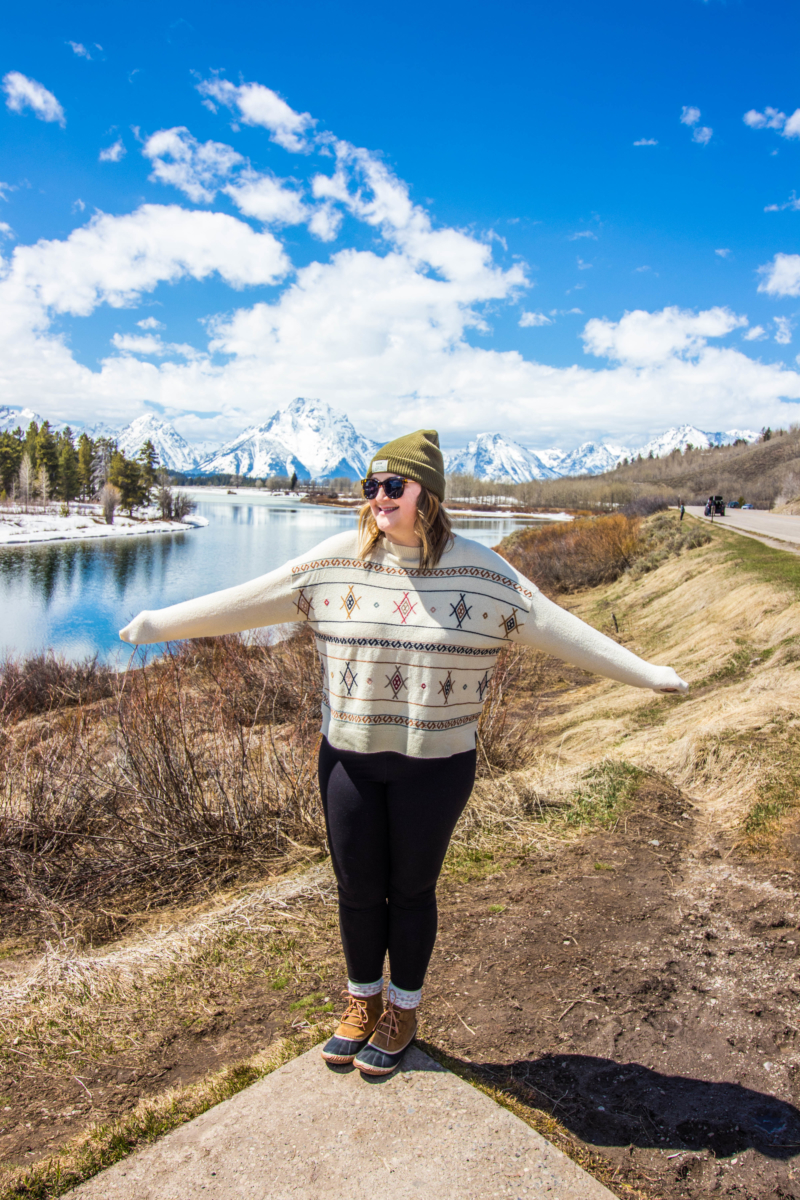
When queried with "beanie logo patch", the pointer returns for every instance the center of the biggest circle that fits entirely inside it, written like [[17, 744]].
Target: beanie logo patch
[[380, 464]]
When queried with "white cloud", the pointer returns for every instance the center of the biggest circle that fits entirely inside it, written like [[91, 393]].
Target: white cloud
[[384, 331], [259, 105], [78, 205], [22, 93], [725, 253], [197, 169], [267, 199], [133, 344], [646, 142], [113, 153], [113, 260], [700, 133], [584, 266], [756, 334], [326, 223], [151, 346], [80, 50], [643, 268], [534, 318], [583, 233], [150, 323], [792, 203], [772, 118], [644, 338], [783, 330], [200, 170], [6, 230], [781, 277]]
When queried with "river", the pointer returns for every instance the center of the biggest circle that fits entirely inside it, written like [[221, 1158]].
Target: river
[[73, 597]]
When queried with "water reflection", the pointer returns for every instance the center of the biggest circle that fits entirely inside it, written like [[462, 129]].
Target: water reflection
[[74, 596]]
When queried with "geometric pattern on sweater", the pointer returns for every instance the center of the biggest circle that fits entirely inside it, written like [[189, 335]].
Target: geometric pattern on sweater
[[429, 726], [398, 644], [367, 565]]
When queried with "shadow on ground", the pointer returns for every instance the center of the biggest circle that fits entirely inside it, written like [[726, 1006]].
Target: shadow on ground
[[622, 1104]]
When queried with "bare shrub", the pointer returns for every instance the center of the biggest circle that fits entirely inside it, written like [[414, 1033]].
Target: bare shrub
[[182, 505], [504, 744], [202, 772], [46, 681], [110, 500], [566, 557]]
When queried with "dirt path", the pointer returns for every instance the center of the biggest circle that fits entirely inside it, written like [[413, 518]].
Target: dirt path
[[642, 988]]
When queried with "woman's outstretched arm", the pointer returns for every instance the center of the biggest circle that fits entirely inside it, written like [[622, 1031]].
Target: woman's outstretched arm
[[556, 631], [267, 600]]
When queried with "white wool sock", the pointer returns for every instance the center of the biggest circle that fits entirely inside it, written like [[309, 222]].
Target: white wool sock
[[365, 989], [403, 999]]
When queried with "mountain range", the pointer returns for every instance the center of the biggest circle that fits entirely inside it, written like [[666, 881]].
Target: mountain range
[[315, 441]]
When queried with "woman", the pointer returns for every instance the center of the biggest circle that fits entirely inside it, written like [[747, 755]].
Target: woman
[[409, 619]]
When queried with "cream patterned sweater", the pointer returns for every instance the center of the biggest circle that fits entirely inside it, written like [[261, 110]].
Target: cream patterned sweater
[[407, 656]]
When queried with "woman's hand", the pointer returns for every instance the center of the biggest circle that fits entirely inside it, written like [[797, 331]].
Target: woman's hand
[[672, 682], [135, 631]]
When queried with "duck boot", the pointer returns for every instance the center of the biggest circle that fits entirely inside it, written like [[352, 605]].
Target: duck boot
[[358, 1021], [393, 1034]]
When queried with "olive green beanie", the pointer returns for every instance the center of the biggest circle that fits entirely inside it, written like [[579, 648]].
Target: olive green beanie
[[414, 456]]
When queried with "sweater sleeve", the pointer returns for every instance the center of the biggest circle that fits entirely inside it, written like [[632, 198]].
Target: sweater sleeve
[[267, 600], [558, 632]]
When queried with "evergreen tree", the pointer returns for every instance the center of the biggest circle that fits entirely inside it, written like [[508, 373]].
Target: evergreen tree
[[148, 466], [47, 456], [11, 448], [68, 477], [31, 435], [86, 463], [126, 475]]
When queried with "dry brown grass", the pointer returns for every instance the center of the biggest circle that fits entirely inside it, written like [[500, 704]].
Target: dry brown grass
[[572, 556], [734, 637], [199, 771]]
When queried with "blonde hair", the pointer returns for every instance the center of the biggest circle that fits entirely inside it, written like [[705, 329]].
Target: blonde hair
[[432, 527]]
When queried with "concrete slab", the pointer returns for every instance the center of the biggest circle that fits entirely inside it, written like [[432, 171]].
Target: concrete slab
[[308, 1132]]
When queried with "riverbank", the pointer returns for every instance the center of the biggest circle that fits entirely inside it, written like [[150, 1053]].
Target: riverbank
[[84, 523]]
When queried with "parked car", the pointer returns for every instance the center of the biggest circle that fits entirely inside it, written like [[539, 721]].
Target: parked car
[[715, 506], [748, 506], [733, 504]]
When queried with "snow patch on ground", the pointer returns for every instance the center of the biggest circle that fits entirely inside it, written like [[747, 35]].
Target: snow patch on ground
[[85, 523]]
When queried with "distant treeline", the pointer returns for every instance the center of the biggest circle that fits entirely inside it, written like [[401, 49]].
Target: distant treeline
[[40, 464]]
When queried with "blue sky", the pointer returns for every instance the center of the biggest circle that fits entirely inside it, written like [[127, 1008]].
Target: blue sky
[[434, 215]]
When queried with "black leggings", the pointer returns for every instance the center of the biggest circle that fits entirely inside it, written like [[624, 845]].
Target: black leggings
[[390, 818]]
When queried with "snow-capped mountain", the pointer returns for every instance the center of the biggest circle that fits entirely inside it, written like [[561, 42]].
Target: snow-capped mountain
[[681, 436], [492, 456], [174, 452], [306, 437], [253, 454], [592, 458], [11, 418]]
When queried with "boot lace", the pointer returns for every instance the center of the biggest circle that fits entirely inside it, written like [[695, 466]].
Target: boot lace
[[388, 1024], [356, 1011]]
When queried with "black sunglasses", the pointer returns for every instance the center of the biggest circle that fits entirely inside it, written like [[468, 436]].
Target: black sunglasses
[[392, 488]]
